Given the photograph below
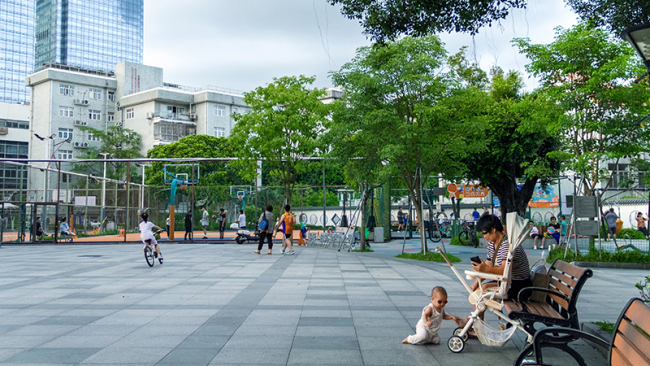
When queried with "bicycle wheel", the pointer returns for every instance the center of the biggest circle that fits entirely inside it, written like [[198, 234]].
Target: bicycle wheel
[[435, 236], [148, 256], [464, 238]]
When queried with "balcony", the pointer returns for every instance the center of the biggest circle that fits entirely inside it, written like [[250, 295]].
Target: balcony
[[168, 130], [172, 116]]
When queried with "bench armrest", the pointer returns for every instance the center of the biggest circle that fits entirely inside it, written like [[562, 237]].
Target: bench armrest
[[527, 290], [483, 275], [558, 336]]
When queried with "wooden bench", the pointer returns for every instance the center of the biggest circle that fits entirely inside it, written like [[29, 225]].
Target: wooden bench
[[559, 307], [630, 344]]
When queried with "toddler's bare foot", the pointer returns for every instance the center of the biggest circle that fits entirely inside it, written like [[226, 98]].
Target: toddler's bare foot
[[406, 340]]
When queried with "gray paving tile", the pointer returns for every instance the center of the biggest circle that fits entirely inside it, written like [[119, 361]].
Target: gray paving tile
[[325, 342], [114, 355], [88, 341], [53, 355], [189, 356], [324, 357], [325, 321], [412, 355], [252, 356], [203, 341]]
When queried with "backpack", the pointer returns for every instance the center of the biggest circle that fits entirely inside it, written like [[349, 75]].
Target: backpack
[[264, 224]]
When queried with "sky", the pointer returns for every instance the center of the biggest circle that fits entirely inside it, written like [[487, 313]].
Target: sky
[[244, 44]]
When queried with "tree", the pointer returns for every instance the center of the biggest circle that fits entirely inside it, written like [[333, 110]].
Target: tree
[[386, 20], [396, 116], [613, 15], [285, 120], [587, 74], [517, 144], [117, 142]]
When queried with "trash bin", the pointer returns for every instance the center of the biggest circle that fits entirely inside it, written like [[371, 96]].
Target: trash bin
[[379, 235], [619, 226]]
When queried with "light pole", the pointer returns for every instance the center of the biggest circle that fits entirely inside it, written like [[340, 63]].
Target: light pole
[[103, 192], [639, 37], [141, 186]]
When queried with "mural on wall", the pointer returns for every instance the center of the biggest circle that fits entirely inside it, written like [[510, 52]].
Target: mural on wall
[[467, 191], [544, 197]]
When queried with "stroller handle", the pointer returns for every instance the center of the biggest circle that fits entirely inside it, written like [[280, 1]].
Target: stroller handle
[[439, 250]]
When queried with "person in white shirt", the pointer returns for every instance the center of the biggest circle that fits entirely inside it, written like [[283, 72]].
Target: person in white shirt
[[167, 222], [242, 220], [534, 233], [496, 212], [65, 229], [147, 236], [204, 222]]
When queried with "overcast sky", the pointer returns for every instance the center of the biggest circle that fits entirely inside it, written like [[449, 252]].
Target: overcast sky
[[244, 44]]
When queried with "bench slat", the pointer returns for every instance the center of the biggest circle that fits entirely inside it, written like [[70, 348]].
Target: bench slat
[[570, 269], [629, 351], [511, 306], [560, 287], [544, 309], [640, 315], [558, 300], [570, 282], [638, 340], [618, 359]]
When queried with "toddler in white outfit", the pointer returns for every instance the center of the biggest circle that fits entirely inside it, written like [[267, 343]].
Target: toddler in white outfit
[[426, 331]]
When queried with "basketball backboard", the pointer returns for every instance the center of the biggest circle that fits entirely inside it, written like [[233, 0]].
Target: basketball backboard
[[185, 173]]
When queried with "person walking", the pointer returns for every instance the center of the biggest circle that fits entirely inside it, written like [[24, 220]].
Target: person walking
[[287, 220], [204, 222], [222, 222], [640, 224], [266, 232], [610, 218], [188, 226], [476, 215], [400, 219], [167, 222], [242, 219]]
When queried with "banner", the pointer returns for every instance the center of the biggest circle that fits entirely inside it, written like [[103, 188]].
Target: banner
[[467, 191], [544, 197]]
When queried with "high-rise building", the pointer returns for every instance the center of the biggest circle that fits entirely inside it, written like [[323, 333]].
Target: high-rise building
[[16, 49], [93, 35]]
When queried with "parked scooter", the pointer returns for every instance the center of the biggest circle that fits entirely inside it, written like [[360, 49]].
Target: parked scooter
[[244, 235]]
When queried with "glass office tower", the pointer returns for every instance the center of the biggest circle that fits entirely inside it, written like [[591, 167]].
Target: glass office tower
[[89, 34], [16, 49]]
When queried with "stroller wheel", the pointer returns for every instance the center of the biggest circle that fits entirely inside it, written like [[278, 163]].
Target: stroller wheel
[[456, 344], [457, 332]]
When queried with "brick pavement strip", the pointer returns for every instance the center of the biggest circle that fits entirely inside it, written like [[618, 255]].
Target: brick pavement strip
[[222, 304]]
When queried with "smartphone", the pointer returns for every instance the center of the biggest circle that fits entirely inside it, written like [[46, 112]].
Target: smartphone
[[476, 259]]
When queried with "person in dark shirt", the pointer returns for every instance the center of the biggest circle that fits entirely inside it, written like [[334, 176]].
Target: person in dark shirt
[[188, 226]]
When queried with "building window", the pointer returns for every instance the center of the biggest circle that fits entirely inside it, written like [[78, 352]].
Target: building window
[[220, 111], [219, 132], [95, 115], [91, 137], [66, 112], [12, 177], [111, 116], [65, 89], [65, 133], [172, 132], [64, 154], [12, 123], [111, 96], [130, 113], [569, 201], [95, 94]]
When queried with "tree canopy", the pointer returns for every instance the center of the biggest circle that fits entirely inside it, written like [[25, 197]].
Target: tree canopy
[[117, 142], [283, 126], [385, 20], [613, 15], [588, 74]]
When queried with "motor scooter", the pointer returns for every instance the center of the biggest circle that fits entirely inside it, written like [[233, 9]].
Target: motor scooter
[[244, 235]]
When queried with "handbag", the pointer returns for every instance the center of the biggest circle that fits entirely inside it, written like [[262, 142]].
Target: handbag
[[263, 224]]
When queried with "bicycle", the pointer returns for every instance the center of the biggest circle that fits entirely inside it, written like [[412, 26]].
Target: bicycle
[[438, 231], [150, 254], [467, 235]]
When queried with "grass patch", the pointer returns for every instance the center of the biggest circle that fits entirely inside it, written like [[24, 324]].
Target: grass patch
[[430, 256], [455, 241], [366, 250], [623, 256], [605, 326]]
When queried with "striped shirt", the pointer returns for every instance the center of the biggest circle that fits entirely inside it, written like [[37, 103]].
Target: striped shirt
[[520, 266]]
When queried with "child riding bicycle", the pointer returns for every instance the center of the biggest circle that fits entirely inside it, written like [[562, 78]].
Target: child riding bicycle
[[147, 235]]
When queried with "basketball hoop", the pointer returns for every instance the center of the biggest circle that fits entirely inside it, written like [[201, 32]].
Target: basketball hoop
[[240, 197]]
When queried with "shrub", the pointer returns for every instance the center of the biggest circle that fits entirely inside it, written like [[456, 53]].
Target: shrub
[[430, 256], [644, 289], [623, 256], [633, 234]]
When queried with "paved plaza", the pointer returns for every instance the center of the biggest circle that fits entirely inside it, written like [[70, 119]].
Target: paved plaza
[[223, 305]]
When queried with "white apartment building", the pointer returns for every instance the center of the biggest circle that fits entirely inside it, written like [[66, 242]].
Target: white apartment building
[[65, 98]]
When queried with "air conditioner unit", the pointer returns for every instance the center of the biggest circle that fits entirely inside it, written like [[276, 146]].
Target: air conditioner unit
[[4, 130], [149, 115], [85, 102], [81, 101], [118, 124], [80, 123], [194, 117], [85, 144], [77, 144]]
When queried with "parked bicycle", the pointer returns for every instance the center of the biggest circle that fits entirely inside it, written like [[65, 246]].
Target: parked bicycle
[[438, 231], [467, 235]]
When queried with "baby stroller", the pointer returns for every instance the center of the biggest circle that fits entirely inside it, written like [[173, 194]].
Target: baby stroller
[[491, 299]]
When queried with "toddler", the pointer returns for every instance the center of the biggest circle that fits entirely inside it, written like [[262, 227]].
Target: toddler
[[426, 331]]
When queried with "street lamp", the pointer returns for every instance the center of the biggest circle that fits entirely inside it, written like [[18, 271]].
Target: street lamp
[[639, 37]]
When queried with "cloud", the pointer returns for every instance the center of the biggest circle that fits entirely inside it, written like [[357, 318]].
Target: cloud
[[244, 44]]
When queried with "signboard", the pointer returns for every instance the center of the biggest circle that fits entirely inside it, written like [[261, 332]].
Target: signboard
[[467, 191], [587, 227], [544, 197], [586, 207], [81, 200], [496, 202]]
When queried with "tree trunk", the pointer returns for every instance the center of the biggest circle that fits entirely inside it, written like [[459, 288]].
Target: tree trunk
[[362, 240], [512, 199], [414, 190]]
